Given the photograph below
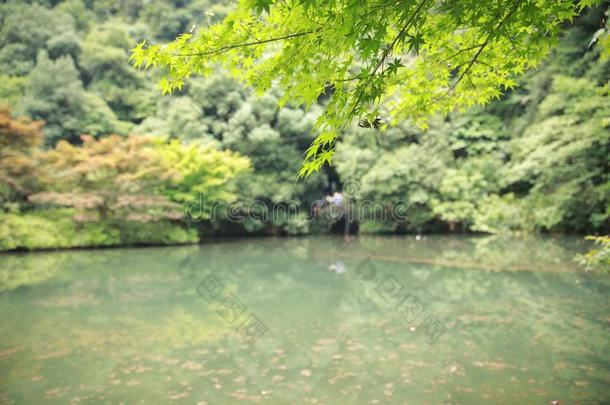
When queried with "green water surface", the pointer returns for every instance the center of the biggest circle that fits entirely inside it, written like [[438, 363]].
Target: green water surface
[[370, 320]]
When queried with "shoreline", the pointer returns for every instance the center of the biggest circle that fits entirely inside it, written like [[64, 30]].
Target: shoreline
[[236, 238]]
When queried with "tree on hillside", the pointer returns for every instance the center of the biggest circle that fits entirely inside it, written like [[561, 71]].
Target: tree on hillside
[[18, 139], [563, 156], [27, 29], [221, 112], [105, 73], [134, 178], [201, 171], [413, 57], [111, 179], [55, 94]]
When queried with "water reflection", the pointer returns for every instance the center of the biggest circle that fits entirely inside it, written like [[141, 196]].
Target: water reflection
[[522, 324]]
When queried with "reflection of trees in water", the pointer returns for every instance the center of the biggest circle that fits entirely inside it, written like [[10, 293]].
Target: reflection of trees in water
[[545, 313], [23, 270], [325, 325], [471, 252], [482, 252]]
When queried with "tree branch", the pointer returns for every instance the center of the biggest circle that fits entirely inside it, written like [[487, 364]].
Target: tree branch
[[246, 44], [493, 34], [385, 54], [401, 33]]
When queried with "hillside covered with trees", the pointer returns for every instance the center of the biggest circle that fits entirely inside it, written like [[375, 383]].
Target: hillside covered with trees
[[93, 155]]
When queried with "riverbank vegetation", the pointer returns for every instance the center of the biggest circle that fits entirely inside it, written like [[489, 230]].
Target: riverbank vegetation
[[93, 155]]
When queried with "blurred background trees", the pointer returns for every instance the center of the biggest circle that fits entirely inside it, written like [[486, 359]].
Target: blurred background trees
[[534, 160]]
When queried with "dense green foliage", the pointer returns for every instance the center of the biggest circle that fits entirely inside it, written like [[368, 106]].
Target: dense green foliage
[[597, 258], [112, 191], [534, 160], [416, 58]]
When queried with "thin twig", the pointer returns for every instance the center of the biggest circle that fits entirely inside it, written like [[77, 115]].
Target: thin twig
[[487, 41], [246, 44], [385, 54]]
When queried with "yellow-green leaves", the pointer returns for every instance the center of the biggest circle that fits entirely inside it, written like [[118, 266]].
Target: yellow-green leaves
[[415, 57]]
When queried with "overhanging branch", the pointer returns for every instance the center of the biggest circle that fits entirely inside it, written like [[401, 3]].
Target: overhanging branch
[[226, 48]]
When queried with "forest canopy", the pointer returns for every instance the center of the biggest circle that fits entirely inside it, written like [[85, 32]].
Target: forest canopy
[[376, 61]]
